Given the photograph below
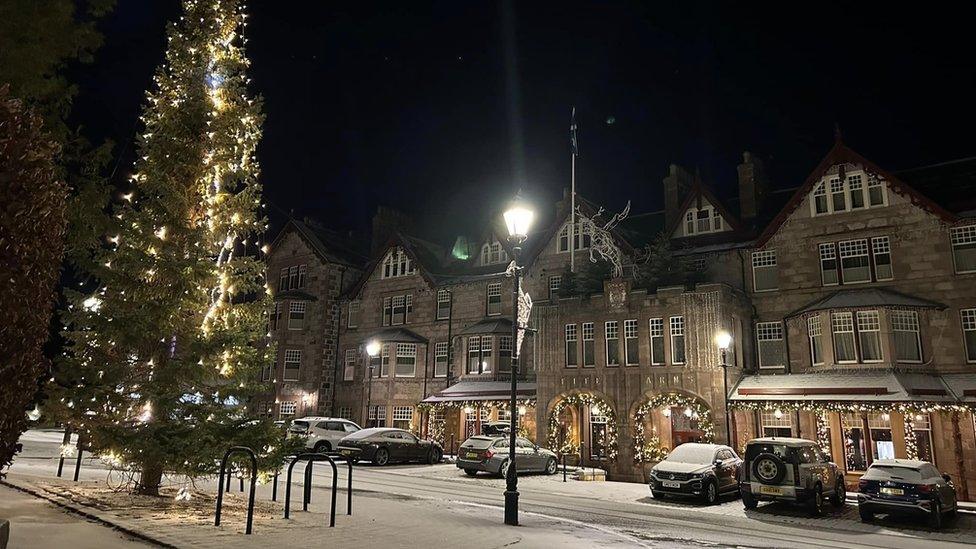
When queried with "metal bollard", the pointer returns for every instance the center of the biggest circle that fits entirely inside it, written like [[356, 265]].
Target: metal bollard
[[64, 442], [78, 461], [274, 487], [564, 466]]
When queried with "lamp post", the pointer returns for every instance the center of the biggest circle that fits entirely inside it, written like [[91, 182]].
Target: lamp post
[[372, 351], [518, 218], [724, 339]]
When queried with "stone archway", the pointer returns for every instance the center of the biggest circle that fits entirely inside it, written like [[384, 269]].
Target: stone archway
[[584, 407], [684, 417]]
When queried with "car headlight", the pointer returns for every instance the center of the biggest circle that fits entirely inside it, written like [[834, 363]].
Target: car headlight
[[696, 476]]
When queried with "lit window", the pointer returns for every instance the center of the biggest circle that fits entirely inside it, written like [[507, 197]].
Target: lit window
[[572, 360], [287, 409], [402, 417], [969, 333], [764, 270], [677, 340], [494, 298], [964, 248], [835, 195], [492, 253], [611, 331], [589, 357], [908, 344], [772, 353], [776, 423], [816, 339], [296, 315], [486, 354], [656, 326], [474, 355], [703, 220], [293, 364], [440, 359], [396, 264]]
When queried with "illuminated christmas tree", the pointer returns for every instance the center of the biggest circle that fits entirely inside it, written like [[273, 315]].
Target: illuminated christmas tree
[[166, 345]]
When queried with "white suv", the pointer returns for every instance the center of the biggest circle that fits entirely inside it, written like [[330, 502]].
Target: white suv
[[324, 433]]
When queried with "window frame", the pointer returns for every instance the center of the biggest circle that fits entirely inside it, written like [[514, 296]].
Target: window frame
[[587, 329], [350, 358], [859, 329], [611, 332], [770, 328], [493, 296], [441, 350], [815, 324], [443, 296], [297, 308], [912, 317], [962, 237], [837, 318], [396, 264], [405, 351], [853, 249], [631, 342], [555, 282], [291, 353], [571, 341], [676, 329], [764, 259], [353, 311], [655, 327], [967, 321]]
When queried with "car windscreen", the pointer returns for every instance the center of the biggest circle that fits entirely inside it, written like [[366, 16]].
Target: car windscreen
[[781, 451], [893, 472], [688, 453]]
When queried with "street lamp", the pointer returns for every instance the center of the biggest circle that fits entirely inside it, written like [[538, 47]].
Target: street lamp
[[724, 340], [372, 351], [518, 218]]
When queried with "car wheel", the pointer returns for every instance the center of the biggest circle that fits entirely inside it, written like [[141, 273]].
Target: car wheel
[[935, 515], [866, 516], [470, 472], [816, 502], [657, 495], [711, 493], [322, 447], [503, 470], [381, 457], [434, 456], [551, 466], [748, 501], [840, 494]]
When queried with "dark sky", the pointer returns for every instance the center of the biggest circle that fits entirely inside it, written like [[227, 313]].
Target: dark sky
[[444, 109]]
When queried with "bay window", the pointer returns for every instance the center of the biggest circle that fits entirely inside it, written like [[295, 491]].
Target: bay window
[[505, 353], [474, 355], [406, 360], [296, 315], [815, 332], [842, 327], [869, 335]]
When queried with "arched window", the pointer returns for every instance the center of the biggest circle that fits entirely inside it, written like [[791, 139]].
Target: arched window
[[397, 263], [563, 241]]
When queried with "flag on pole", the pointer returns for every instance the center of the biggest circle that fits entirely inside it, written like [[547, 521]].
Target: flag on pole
[[573, 138]]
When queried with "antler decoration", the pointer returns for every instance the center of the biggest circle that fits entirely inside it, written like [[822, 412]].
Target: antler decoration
[[601, 241]]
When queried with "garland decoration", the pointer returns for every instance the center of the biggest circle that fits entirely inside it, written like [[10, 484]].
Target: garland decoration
[[911, 441], [435, 427], [699, 410], [823, 432], [588, 400]]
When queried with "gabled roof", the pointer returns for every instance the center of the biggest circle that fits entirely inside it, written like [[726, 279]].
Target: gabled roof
[[699, 191], [840, 154], [538, 241], [331, 246], [867, 297], [424, 254]]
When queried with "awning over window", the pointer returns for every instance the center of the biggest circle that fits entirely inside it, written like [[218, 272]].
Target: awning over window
[[397, 335], [483, 390], [867, 297], [848, 386], [492, 325]]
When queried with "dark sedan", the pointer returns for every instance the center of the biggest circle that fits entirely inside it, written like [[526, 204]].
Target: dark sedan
[[382, 445], [696, 470], [905, 487]]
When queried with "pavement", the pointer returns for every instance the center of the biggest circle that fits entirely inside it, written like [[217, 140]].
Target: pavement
[[413, 505]]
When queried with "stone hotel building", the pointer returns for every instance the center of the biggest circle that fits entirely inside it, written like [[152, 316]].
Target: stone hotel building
[[850, 296]]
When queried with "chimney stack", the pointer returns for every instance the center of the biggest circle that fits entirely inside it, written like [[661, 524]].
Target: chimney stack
[[753, 186], [676, 186], [387, 221]]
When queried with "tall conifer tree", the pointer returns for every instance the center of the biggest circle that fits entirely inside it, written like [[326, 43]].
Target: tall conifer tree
[[165, 352]]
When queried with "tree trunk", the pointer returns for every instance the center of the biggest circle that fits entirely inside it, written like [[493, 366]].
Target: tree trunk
[[151, 478]]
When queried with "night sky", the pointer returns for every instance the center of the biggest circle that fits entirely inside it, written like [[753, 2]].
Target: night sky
[[443, 110]]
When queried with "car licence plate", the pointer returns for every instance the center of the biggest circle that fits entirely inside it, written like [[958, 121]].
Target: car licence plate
[[471, 455], [771, 490], [670, 484], [892, 491]]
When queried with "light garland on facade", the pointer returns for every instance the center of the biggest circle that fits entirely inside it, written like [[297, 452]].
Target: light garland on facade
[[645, 451], [588, 400], [436, 427]]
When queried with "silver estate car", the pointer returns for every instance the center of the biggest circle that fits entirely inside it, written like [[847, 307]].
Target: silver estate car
[[489, 453]]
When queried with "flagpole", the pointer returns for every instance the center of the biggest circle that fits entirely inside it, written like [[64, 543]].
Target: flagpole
[[572, 201]]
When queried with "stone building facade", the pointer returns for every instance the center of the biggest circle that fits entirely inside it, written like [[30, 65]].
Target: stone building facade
[[851, 299]]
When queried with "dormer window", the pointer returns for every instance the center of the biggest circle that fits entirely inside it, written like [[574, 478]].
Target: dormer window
[[703, 220], [582, 240], [397, 263], [835, 195], [493, 253]]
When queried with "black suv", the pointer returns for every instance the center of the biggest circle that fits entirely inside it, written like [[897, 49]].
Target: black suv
[[696, 470]]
